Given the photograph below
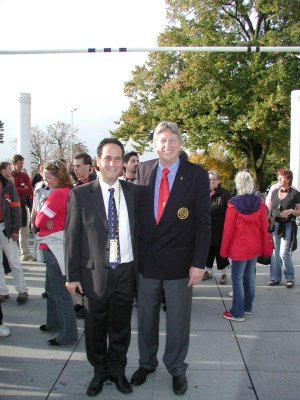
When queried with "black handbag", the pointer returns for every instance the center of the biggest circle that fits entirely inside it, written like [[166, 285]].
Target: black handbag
[[264, 260]]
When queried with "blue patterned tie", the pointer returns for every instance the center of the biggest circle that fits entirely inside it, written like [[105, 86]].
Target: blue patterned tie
[[113, 225]]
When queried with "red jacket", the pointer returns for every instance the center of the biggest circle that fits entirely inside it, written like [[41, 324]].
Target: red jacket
[[244, 233], [21, 180]]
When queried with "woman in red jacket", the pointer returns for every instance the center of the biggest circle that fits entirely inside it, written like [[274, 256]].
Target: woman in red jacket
[[51, 222], [245, 229]]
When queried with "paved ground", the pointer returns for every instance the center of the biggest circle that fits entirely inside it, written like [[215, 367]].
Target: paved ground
[[256, 359]]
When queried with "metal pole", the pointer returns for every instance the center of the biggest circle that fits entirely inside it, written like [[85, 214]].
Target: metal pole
[[198, 49]]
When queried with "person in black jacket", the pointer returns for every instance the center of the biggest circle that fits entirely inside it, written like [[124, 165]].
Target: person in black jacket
[[10, 219], [219, 198]]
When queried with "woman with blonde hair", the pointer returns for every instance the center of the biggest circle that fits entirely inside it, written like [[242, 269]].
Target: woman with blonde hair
[[244, 236], [51, 222]]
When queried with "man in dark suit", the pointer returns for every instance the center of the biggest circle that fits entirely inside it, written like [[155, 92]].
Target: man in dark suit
[[173, 246], [100, 255]]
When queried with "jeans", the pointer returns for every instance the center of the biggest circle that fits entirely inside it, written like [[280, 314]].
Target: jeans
[[60, 310], [243, 283], [282, 252]]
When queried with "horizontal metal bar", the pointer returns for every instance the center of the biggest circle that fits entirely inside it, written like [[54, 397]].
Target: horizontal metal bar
[[200, 49]]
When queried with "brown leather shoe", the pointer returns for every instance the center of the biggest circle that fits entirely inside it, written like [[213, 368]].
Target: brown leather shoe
[[223, 280], [207, 275]]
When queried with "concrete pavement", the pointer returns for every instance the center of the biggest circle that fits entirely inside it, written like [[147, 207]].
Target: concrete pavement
[[254, 360]]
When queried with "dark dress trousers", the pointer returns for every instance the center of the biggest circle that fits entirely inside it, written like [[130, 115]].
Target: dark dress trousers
[[166, 253], [108, 294]]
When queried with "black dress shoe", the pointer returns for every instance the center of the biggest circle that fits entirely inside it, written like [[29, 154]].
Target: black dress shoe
[[44, 328], [179, 384], [53, 342], [122, 384], [140, 375], [95, 385]]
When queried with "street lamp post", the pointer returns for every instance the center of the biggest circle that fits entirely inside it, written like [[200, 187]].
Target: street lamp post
[[72, 111]]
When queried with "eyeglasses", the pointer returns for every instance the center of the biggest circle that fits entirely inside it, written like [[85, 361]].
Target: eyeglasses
[[54, 162]]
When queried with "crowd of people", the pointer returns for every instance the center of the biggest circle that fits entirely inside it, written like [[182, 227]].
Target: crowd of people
[[129, 233]]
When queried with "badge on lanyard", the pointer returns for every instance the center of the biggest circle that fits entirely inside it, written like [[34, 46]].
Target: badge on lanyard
[[113, 250]]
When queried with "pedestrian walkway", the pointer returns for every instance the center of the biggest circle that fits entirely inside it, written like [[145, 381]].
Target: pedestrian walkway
[[255, 359]]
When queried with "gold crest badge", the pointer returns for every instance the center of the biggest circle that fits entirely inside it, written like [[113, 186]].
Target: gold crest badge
[[183, 213]]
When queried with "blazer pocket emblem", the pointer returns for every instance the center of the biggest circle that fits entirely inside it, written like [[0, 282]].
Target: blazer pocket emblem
[[183, 213]]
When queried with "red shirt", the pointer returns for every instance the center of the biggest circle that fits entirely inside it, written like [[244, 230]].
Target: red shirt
[[22, 179], [55, 208], [1, 216]]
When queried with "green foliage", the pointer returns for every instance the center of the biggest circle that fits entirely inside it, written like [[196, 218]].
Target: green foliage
[[217, 159], [1, 132], [239, 100]]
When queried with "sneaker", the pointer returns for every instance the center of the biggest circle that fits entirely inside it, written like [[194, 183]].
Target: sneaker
[[230, 294], [207, 275], [4, 331], [227, 315], [3, 297], [290, 284], [223, 280], [248, 312], [273, 283], [22, 298], [27, 258], [44, 295]]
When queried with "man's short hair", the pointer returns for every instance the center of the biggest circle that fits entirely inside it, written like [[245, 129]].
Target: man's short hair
[[109, 141], [128, 156], [87, 159], [4, 165], [16, 158], [165, 125]]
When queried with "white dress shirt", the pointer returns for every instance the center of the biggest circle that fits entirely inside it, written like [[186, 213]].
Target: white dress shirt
[[124, 228]]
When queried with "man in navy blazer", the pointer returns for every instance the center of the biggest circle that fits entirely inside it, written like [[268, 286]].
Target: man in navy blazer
[[172, 253], [101, 269]]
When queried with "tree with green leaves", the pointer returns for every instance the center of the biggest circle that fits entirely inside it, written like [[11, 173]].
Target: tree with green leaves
[[239, 100], [1, 132]]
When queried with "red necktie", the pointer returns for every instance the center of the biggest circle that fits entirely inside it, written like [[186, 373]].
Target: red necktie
[[164, 192]]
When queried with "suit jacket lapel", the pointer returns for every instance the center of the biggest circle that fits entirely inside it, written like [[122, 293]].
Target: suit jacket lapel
[[97, 199]]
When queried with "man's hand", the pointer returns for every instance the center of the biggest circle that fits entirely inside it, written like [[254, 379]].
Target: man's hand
[[15, 236], [196, 275], [72, 286]]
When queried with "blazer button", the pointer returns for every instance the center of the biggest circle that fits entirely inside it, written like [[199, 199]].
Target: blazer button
[[107, 249], [106, 267]]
